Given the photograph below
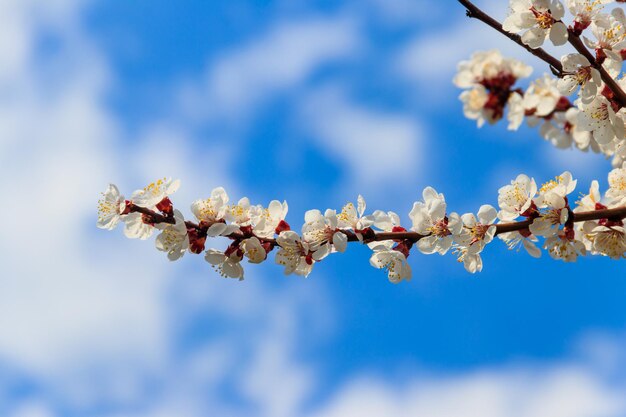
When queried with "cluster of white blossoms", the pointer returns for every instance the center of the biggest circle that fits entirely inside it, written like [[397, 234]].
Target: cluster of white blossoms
[[583, 105], [489, 79], [526, 214]]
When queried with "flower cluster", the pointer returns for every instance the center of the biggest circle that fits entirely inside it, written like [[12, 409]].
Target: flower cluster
[[489, 79], [583, 104], [526, 214]]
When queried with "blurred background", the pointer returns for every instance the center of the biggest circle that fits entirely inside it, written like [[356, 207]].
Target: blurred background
[[312, 102]]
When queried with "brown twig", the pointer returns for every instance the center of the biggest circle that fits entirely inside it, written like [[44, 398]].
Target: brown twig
[[153, 215], [614, 214], [474, 12]]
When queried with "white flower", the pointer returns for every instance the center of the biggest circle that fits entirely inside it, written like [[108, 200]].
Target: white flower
[[294, 254], [319, 231], [539, 19], [563, 247], [352, 217], [173, 238], [135, 226], [386, 221], [253, 250], [617, 185], [267, 220], [582, 139], [602, 236], [517, 112], [430, 220], [472, 262], [155, 192], [385, 257], [579, 73], [553, 197], [475, 234], [590, 201], [616, 149], [474, 101], [489, 78], [542, 96], [477, 231], [515, 199], [562, 186], [553, 130], [599, 117], [239, 214], [610, 33], [584, 11], [547, 224], [110, 208], [527, 240], [609, 240], [562, 130], [486, 67], [212, 210], [226, 266]]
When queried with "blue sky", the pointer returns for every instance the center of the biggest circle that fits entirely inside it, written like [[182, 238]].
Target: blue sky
[[313, 102]]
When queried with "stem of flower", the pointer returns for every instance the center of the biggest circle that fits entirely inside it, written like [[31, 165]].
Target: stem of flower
[[474, 12]]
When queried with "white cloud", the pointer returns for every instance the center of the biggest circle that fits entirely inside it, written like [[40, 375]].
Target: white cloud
[[254, 358], [77, 312], [377, 146], [67, 301], [273, 383], [32, 409], [278, 383], [399, 10], [556, 391], [281, 59], [21, 22]]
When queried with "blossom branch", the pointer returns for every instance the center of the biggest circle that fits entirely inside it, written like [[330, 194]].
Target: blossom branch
[[596, 120], [255, 230], [613, 214], [474, 12], [619, 94]]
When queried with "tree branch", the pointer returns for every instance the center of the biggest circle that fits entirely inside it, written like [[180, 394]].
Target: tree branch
[[614, 214], [474, 12], [620, 95]]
